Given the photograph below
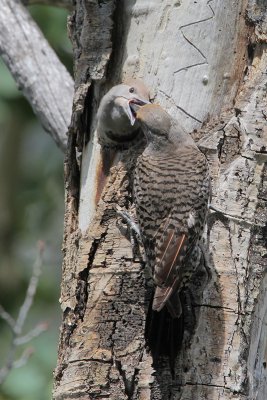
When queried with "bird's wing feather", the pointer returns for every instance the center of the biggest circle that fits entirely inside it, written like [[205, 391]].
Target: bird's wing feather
[[171, 245], [166, 272], [170, 251], [165, 295]]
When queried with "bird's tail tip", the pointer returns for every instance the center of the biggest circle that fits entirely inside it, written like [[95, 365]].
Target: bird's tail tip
[[167, 297]]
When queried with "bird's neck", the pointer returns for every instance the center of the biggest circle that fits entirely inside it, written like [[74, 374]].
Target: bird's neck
[[160, 147], [183, 142]]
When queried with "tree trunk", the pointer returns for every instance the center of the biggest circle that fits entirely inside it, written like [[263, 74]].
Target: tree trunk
[[206, 64]]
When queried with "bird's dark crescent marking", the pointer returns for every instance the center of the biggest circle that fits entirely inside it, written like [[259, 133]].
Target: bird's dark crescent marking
[[123, 138]]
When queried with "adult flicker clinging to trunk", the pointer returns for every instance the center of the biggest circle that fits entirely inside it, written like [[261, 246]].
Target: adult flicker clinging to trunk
[[171, 193]]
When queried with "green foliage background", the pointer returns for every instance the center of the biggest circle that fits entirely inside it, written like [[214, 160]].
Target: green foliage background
[[31, 208]]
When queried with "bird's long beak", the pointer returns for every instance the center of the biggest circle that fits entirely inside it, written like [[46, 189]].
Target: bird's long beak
[[133, 106]]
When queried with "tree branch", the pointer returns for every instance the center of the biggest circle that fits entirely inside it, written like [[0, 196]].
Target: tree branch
[[56, 3], [24, 310], [38, 72], [17, 325]]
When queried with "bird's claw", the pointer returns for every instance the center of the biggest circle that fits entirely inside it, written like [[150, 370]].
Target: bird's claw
[[134, 229], [134, 232]]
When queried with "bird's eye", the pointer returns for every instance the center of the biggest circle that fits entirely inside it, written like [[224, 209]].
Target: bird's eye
[[131, 90]]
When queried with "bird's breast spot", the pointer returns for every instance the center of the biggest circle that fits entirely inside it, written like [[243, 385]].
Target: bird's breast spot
[[191, 220]]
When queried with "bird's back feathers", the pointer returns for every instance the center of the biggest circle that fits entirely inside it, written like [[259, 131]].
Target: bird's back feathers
[[171, 193]]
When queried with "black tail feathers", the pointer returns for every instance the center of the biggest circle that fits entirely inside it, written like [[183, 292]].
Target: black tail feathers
[[164, 334]]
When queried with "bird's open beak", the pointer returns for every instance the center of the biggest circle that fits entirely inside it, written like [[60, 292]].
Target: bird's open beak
[[133, 106]]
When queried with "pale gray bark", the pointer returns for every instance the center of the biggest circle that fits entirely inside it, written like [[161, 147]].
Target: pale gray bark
[[36, 69]]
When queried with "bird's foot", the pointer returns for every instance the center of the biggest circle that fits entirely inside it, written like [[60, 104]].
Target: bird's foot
[[129, 220], [132, 228]]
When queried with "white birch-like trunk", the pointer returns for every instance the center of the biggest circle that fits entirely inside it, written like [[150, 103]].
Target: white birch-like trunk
[[206, 63]]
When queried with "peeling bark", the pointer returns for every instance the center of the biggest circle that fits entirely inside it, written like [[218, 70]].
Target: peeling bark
[[205, 63]]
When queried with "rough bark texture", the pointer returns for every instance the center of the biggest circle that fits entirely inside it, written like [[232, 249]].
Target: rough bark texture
[[36, 69], [205, 62]]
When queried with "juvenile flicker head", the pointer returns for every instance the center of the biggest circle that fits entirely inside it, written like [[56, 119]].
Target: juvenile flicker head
[[120, 97], [115, 121], [153, 119]]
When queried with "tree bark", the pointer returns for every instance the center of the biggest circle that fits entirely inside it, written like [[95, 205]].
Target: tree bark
[[206, 64]]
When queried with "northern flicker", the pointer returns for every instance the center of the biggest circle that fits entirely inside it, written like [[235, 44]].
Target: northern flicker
[[116, 126], [171, 193]]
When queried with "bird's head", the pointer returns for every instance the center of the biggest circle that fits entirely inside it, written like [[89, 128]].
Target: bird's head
[[153, 119], [123, 94], [116, 125]]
